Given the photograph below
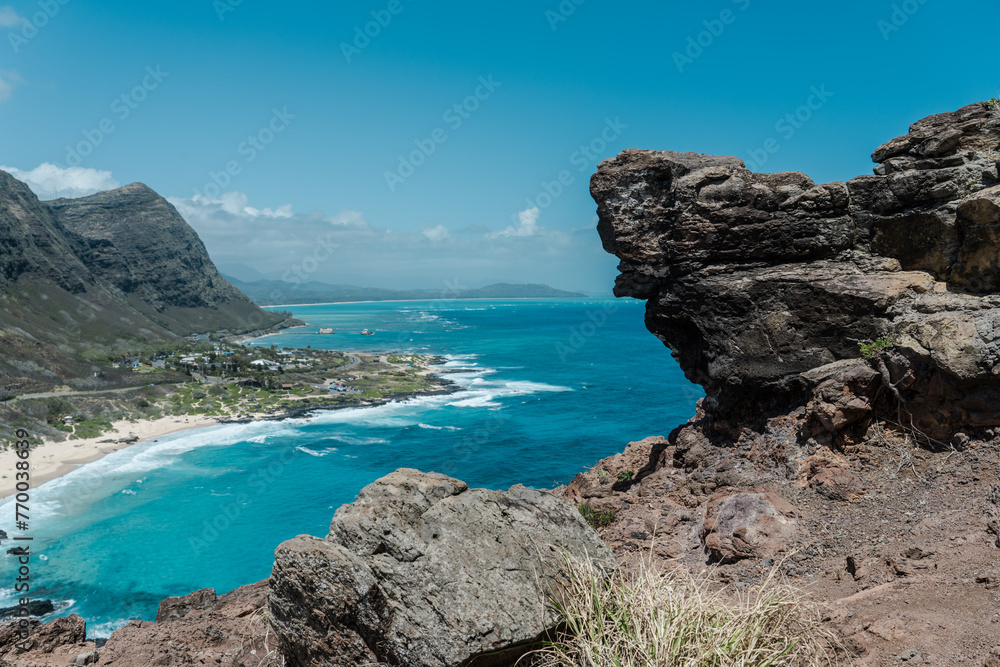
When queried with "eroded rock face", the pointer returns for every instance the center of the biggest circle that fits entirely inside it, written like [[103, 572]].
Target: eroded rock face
[[753, 279], [421, 570], [198, 629], [762, 286], [176, 608], [58, 642]]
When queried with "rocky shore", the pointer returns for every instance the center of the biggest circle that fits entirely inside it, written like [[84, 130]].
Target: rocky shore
[[847, 336]]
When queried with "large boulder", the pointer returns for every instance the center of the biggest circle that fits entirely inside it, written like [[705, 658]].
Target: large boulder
[[423, 571]]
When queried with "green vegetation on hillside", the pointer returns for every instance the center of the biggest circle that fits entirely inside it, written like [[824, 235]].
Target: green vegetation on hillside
[[221, 380]]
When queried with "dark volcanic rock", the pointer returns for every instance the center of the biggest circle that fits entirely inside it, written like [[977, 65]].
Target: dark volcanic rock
[[421, 570], [756, 279], [35, 608], [763, 286]]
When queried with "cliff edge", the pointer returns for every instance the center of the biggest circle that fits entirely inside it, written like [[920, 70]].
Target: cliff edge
[[847, 336], [754, 280]]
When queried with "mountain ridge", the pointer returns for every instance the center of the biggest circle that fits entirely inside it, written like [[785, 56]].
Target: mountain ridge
[[82, 277]]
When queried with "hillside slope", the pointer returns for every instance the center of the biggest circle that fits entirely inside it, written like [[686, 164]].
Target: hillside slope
[[82, 278]]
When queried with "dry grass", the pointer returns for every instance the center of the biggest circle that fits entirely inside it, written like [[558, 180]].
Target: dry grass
[[642, 616], [260, 642]]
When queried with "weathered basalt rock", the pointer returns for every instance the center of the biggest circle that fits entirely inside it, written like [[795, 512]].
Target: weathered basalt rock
[[756, 280], [746, 524], [763, 286], [176, 608], [198, 629], [35, 608], [59, 642], [421, 570]]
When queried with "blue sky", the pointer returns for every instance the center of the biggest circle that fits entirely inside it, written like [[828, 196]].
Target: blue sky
[[170, 93]]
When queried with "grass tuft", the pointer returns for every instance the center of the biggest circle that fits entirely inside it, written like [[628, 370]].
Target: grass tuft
[[597, 517], [641, 616], [872, 348]]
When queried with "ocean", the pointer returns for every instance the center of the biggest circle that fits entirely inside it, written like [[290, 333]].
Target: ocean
[[545, 389]]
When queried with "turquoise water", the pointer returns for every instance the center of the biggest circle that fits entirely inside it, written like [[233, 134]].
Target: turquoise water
[[545, 389]]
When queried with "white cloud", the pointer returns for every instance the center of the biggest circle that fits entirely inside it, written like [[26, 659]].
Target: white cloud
[[345, 249], [9, 18], [527, 225], [237, 203], [8, 79], [437, 234], [51, 182], [349, 219]]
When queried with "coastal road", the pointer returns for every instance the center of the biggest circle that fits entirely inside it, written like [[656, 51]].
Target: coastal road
[[55, 394], [353, 361]]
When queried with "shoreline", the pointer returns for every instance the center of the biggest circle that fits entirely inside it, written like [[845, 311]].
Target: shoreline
[[471, 298], [55, 458], [240, 339]]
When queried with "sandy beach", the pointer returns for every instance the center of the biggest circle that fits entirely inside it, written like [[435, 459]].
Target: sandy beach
[[54, 459]]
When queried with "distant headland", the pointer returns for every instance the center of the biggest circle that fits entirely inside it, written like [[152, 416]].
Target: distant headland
[[279, 292]]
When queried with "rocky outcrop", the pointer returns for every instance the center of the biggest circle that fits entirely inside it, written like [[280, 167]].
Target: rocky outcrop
[[421, 570], [847, 336], [756, 281], [35, 608], [176, 608], [198, 629], [60, 642]]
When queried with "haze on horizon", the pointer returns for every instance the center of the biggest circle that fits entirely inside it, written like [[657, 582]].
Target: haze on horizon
[[395, 144]]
